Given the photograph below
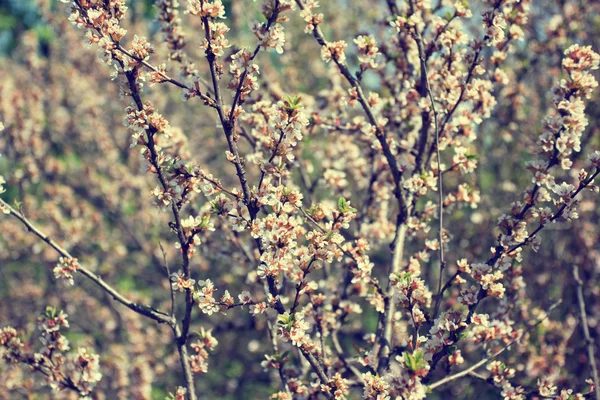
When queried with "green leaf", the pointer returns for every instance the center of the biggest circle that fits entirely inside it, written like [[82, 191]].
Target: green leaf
[[344, 207], [292, 103], [205, 221], [216, 207], [51, 312], [286, 320], [409, 360], [415, 361]]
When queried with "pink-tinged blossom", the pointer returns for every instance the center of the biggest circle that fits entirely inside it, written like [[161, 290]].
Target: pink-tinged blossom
[[334, 51], [179, 283], [206, 8], [65, 269]]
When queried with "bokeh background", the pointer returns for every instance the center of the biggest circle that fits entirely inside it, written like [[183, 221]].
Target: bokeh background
[[67, 162]]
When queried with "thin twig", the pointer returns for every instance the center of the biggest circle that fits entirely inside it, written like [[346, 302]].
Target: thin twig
[[117, 46], [586, 330], [386, 331], [275, 150], [238, 92], [166, 266], [499, 252], [226, 123], [425, 79], [373, 281], [557, 214], [140, 309], [379, 133], [181, 336], [272, 329], [493, 356], [342, 356], [184, 358]]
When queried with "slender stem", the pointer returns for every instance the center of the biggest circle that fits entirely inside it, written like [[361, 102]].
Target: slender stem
[[499, 251], [227, 123], [342, 356], [182, 335], [60, 379], [557, 214], [275, 150], [149, 312], [467, 371], [209, 101], [168, 272], [586, 331], [184, 359], [388, 316], [238, 92], [425, 80], [442, 290], [272, 329], [373, 281], [385, 331], [379, 133]]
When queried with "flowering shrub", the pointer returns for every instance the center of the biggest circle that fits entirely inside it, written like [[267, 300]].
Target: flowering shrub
[[293, 200]]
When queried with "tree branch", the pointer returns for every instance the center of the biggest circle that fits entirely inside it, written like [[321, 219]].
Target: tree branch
[[146, 311], [467, 371]]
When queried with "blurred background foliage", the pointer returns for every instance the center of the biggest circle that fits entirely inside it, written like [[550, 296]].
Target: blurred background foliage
[[504, 142]]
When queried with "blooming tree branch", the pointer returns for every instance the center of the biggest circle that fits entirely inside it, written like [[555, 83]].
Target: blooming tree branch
[[338, 244]]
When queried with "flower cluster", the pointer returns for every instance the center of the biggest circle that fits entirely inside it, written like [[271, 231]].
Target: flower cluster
[[206, 343], [180, 394], [312, 19], [179, 283], [242, 68], [11, 345], [367, 51], [144, 121], [293, 328], [203, 296], [170, 22], [65, 269], [216, 42], [271, 38], [421, 184], [206, 8], [334, 51], [78, 371]]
